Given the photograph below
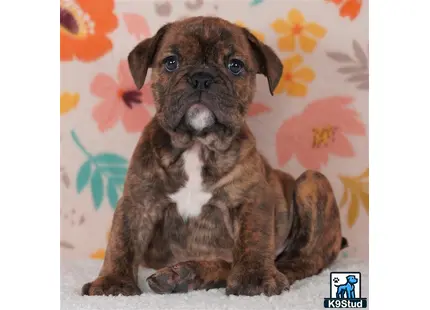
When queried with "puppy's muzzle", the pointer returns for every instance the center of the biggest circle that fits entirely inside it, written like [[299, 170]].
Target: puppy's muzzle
[[199, 117]]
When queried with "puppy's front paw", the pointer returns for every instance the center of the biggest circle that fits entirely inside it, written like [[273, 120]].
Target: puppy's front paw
[[179, 278], [244, 280], [111, 285]]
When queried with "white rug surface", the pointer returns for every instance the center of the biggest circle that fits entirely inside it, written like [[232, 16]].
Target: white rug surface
[[307, 294]]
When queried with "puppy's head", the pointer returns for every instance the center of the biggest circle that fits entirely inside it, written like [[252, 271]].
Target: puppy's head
[[203, 77]]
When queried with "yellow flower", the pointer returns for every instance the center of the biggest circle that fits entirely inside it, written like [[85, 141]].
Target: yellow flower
[[295, 27], [68, 102], [293, 79], [257, 34], [356, 188], [100, 253]]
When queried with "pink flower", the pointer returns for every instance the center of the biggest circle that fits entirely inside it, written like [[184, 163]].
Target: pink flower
[[121, 101], [319, 131], [136, 25]]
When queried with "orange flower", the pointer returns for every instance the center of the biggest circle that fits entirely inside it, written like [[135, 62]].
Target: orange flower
[[293, 79], [348, 8], [100, 253], [257, 34], [83, 28], [295, 27]]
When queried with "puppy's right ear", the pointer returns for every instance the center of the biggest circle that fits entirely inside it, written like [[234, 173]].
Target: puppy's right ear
[[142, 56]]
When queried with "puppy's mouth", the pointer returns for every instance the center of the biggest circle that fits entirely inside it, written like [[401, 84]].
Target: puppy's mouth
[[198, 113], [199, 117]]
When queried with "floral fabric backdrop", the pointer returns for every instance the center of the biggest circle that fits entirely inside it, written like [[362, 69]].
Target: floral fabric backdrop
[[317, 118]]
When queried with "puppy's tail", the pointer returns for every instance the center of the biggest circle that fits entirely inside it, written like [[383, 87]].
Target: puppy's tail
[[344, 243]]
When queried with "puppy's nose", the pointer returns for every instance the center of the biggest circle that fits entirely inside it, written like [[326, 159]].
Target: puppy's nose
[[201, 80]]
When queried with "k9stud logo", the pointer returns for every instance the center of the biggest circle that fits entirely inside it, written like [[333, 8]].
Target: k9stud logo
[[345, 291]]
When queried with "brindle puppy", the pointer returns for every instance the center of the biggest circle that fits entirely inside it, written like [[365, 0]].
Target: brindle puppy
[[200, 203]]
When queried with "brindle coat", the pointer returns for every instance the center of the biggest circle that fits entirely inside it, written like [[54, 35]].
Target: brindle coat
[[262, 229]]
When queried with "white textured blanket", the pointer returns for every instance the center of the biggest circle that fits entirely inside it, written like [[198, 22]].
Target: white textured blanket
[[307, 294]]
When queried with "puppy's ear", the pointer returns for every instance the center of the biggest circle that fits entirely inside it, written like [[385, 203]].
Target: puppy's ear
[[142, 56], [269, 63]]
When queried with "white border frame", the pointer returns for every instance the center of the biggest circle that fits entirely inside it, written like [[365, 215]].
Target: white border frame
[[399, 154], [29, 134]]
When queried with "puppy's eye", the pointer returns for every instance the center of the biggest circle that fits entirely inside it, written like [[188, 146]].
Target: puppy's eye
[[171, 63], [236, 66]]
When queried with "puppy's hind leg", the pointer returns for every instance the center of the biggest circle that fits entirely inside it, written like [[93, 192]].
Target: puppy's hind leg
[[190, 275], [316, 236]]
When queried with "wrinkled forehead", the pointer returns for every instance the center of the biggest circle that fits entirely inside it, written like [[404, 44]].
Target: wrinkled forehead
[[204, 39]]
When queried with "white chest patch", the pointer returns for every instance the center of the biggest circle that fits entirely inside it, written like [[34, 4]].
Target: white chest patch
[[190, 198]]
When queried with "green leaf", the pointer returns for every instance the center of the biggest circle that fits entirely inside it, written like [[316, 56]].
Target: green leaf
[[114, 170], [110, 159], [113, 187], [112, 194], [83, 177], [255, 2], [97, 188]]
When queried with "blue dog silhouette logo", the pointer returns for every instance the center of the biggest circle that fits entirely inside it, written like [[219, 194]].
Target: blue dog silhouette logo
[[346, 290]]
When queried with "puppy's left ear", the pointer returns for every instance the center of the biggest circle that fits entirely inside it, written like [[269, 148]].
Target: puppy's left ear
[[142, 56], [269, 63]]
